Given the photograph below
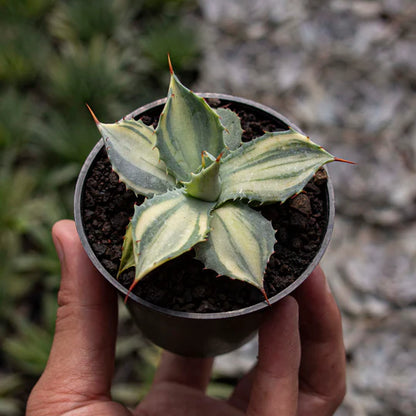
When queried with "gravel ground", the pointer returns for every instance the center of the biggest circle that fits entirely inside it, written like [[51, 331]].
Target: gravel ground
[[345, 72]]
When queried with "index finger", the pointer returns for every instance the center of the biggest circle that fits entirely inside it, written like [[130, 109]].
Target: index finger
[[322, 369], [274, 390]]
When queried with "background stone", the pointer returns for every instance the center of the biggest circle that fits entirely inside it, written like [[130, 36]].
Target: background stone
[[345, 73]]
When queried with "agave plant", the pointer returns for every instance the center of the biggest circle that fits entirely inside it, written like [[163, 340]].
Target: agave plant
[[199, 180]]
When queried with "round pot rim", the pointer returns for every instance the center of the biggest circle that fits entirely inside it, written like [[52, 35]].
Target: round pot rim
[[198, 315]]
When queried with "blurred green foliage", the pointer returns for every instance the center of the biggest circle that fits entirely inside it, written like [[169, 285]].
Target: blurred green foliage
[[55, 56]]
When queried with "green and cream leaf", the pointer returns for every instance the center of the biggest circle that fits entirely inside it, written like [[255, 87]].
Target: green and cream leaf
[[127, 253], [272, 167], [187, 127], [167, 226], [240, 243], [131, 149], [232, 128]]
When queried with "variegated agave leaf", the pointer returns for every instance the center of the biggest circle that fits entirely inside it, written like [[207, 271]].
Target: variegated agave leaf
[[187, 127], [271, 168], [232, 128], [127, 253], [240, 243], [167, 226], [131, 149]]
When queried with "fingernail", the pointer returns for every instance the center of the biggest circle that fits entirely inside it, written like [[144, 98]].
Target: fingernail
[[59, 249]]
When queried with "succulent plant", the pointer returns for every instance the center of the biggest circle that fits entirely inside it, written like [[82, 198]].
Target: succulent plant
[[199, 180]]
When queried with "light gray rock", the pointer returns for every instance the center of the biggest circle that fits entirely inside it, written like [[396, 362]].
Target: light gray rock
[[384, 365], [372, 270], [238, 362], [345, 72]]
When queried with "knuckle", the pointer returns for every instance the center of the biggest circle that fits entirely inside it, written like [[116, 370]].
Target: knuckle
[[340, 393], [65, 296], [335, 399], [66, 318]]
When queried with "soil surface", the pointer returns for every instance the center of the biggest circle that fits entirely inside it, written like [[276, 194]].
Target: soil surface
[[182, 284]]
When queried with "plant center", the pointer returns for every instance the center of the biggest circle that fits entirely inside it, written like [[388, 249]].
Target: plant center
[[206, 184]]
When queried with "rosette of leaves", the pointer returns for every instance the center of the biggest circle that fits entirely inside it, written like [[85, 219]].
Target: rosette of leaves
[[199, 180]]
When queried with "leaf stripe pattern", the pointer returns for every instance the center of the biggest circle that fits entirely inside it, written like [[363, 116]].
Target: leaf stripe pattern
[[167, 226], [127, 124], [240, 243], [187, 127], [131, 149], [271, 168]]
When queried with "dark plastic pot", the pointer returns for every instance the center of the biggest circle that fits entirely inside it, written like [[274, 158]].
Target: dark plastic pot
[[196, 334]]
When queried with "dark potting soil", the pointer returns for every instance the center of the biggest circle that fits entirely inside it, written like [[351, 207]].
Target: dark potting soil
[[183, 284]]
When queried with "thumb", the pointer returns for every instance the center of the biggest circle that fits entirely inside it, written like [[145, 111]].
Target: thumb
[[82, 354]]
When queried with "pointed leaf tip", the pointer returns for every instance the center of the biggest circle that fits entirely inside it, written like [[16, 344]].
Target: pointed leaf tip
[[219, 157], [130, 290], [93, 115], [170, 65], [337, 159], [265, 296]]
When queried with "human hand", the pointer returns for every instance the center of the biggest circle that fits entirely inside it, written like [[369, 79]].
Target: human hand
[[300, 370]]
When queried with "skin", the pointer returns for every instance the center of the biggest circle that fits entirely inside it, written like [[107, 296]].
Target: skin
[[300, 369]]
